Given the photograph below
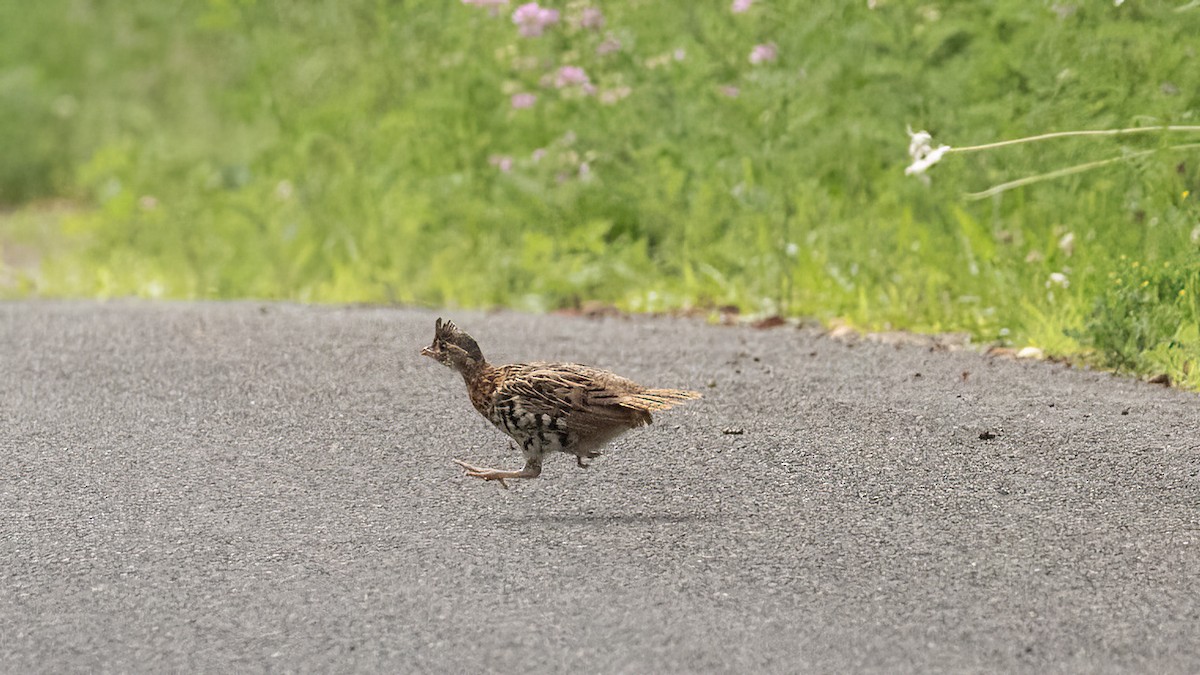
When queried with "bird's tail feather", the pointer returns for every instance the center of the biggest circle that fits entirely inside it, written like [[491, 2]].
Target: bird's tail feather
[[658, 399]]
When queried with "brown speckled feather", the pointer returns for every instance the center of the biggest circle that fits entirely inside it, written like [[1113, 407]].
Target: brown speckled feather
[[587, 398]]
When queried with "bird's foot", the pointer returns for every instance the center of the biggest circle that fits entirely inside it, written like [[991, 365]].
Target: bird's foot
[[485, 474], [499, 475], [579, 459]]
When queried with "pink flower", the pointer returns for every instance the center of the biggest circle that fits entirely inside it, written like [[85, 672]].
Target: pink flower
[[764, 53], [591, 18], [740, 6], [538, 154], [502, 162], [527, 14], [532, 19], [571, 76], [731, 91], [523, 100]]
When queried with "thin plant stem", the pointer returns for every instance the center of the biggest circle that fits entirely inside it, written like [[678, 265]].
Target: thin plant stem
[[1078, 168], [1066, 134]]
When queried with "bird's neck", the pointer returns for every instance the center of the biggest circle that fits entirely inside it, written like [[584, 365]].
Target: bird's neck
[[480, 378], [474, 371]]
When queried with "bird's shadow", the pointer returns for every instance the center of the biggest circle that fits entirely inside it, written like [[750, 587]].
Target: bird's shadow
[[602, 519]]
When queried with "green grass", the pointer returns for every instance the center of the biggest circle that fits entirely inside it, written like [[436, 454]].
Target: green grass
[[347, 151]]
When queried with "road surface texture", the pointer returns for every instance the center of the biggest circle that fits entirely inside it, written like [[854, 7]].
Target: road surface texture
[[256, 487]]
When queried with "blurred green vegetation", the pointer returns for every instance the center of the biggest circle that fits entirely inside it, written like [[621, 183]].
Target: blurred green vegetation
[[369, 150]]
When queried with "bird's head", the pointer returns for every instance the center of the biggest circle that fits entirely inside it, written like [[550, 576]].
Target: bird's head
[[453, 348]]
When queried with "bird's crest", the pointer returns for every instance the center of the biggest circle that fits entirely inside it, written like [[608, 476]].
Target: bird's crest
[[446, 332]]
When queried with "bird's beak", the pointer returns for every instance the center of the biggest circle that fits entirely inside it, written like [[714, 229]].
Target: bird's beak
[[426, 351]]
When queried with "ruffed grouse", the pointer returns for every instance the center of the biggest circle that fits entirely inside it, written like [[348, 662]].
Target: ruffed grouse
[[547, 407]]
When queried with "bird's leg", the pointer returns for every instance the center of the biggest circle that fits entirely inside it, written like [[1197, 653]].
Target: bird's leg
[[533, 469], [591, 454]]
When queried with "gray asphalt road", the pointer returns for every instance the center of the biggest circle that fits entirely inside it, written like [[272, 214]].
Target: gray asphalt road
[[247, 487]]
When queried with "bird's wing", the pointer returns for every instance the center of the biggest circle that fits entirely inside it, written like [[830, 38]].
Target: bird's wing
[[586, 397]]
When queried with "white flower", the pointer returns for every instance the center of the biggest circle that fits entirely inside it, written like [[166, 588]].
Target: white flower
[[918, 141], [924, 155], [1058, 279], [922, 163], [1067, 243]]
